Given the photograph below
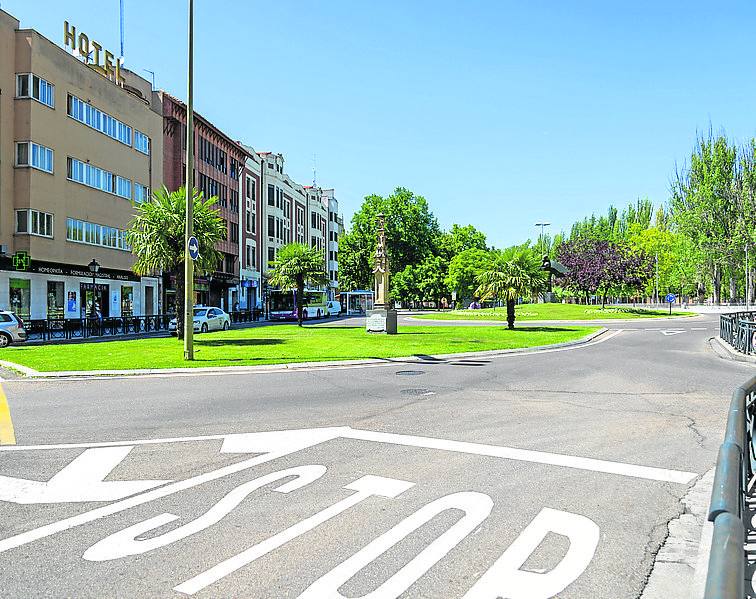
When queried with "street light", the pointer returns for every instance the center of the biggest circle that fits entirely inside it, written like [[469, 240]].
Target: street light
[[94, 268], [188, 262], [543, 226]]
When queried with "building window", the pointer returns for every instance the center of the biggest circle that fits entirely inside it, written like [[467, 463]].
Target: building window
[[141, 193], [271, 226], [271, 255], [29, 85], [250, 187], [92, 176], [99, 120], [234, 203], [313, 220], [234, 227], [251, 257], [271, 195], [80, 231], [34, 222], [314, 241], [229, 262], [35, 155], [141, 142]]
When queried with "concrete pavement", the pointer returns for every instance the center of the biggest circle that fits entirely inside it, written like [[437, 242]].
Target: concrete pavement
[[526, 475]]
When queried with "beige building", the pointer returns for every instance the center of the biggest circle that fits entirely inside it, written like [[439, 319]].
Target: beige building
[[78, 150]]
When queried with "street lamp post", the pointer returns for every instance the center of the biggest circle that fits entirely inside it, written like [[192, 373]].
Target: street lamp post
[[94, 268], [188, 262], [541, 240]]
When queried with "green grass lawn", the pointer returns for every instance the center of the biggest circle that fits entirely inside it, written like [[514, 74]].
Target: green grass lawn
[[553, 312], [283, 343]]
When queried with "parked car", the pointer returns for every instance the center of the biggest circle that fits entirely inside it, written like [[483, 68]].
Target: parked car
[[11, 329], [333, 308], [206, 319]]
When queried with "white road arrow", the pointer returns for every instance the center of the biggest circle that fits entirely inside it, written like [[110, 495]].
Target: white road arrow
[[667, 333], [81, 480]]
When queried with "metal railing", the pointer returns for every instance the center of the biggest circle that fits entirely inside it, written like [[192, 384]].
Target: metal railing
[[728, 509], [61, 329], [739, 330]]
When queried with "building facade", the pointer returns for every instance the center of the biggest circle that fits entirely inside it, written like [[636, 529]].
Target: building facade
[[219, 163], [80, 146], [277, 211]]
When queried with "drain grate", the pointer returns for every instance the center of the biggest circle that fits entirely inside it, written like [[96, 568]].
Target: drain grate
[[409, 372]]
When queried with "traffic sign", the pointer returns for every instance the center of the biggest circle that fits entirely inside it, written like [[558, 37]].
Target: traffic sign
[[193, 246], [671, 298]]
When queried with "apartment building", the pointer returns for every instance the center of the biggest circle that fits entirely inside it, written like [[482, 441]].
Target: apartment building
[[219, 162], [80, 145], [277, 211]]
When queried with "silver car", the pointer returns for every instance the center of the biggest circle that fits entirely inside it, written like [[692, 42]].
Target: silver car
[[11, 329]]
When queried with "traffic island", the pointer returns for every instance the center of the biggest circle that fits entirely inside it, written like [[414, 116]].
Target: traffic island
[[285, 344]]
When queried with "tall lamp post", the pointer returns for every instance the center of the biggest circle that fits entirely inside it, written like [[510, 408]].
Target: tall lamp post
[[188, 262], [540, 243], [94, 268]]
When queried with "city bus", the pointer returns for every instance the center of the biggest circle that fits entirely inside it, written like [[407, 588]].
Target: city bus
[[283, 304]]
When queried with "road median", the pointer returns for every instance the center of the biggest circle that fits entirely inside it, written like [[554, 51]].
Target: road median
[[592, 336]]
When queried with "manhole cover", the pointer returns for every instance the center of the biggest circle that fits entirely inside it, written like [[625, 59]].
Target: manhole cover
[[409, 372], [417, 392]]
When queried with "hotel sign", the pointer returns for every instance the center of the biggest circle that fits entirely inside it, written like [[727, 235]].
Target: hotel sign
[[93, 55]]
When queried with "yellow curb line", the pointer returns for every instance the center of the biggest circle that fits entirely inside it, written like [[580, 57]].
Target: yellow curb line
[[7, 436]]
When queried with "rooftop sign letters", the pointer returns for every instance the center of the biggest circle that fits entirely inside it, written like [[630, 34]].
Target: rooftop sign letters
[[93, 55]]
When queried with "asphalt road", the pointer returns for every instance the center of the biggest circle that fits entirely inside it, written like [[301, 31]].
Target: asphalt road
[[527, 475]]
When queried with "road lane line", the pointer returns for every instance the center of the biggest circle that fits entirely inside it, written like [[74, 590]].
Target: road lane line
[[527, 455], [7, 435]]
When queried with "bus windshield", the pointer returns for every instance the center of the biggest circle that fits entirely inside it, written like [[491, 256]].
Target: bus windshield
[[282, 301]]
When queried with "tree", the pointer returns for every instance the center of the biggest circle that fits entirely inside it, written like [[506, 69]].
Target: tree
[[603, 267], [459, 239], [464, 269], [412, 233], [156, 235], [298, 264], [703, 204], [517, 273], [422, 283]]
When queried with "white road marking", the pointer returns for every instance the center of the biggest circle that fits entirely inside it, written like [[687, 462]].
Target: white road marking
[[310, 437], [671, 332], [505, 578], [698, 329], [282, 443], [81, 480], [365, 487], [293, 440], [656, 329], [125, 542], [476, 508]]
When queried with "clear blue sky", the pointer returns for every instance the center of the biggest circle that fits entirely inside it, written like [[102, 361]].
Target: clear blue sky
[[500, 113]]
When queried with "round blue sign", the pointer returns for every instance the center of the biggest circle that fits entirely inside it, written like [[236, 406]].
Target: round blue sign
[[671, 298], [193, 246]]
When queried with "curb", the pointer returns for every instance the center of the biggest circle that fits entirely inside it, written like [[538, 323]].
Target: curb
[[526, 323], [724, 351], [30, 373]]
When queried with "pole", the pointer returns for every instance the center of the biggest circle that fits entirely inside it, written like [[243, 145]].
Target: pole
[[657, 278], [188, 262], [747, 280]]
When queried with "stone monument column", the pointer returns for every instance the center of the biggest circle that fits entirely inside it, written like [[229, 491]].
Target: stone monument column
[[382, 319]]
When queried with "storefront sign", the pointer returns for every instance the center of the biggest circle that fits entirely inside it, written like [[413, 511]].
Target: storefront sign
[[102, 61], [17, 262]]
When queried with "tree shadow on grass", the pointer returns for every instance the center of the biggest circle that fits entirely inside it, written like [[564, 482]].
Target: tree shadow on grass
[[239, 342], [527, 329]]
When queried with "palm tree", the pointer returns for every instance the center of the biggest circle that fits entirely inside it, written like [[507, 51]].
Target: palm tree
[[515, 274], [156, 236], [296, 265]]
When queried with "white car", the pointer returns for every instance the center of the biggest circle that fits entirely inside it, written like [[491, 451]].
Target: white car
[[333, 308], [206, 319]]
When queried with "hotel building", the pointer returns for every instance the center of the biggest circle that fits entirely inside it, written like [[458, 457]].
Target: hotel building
[[80, 145]]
